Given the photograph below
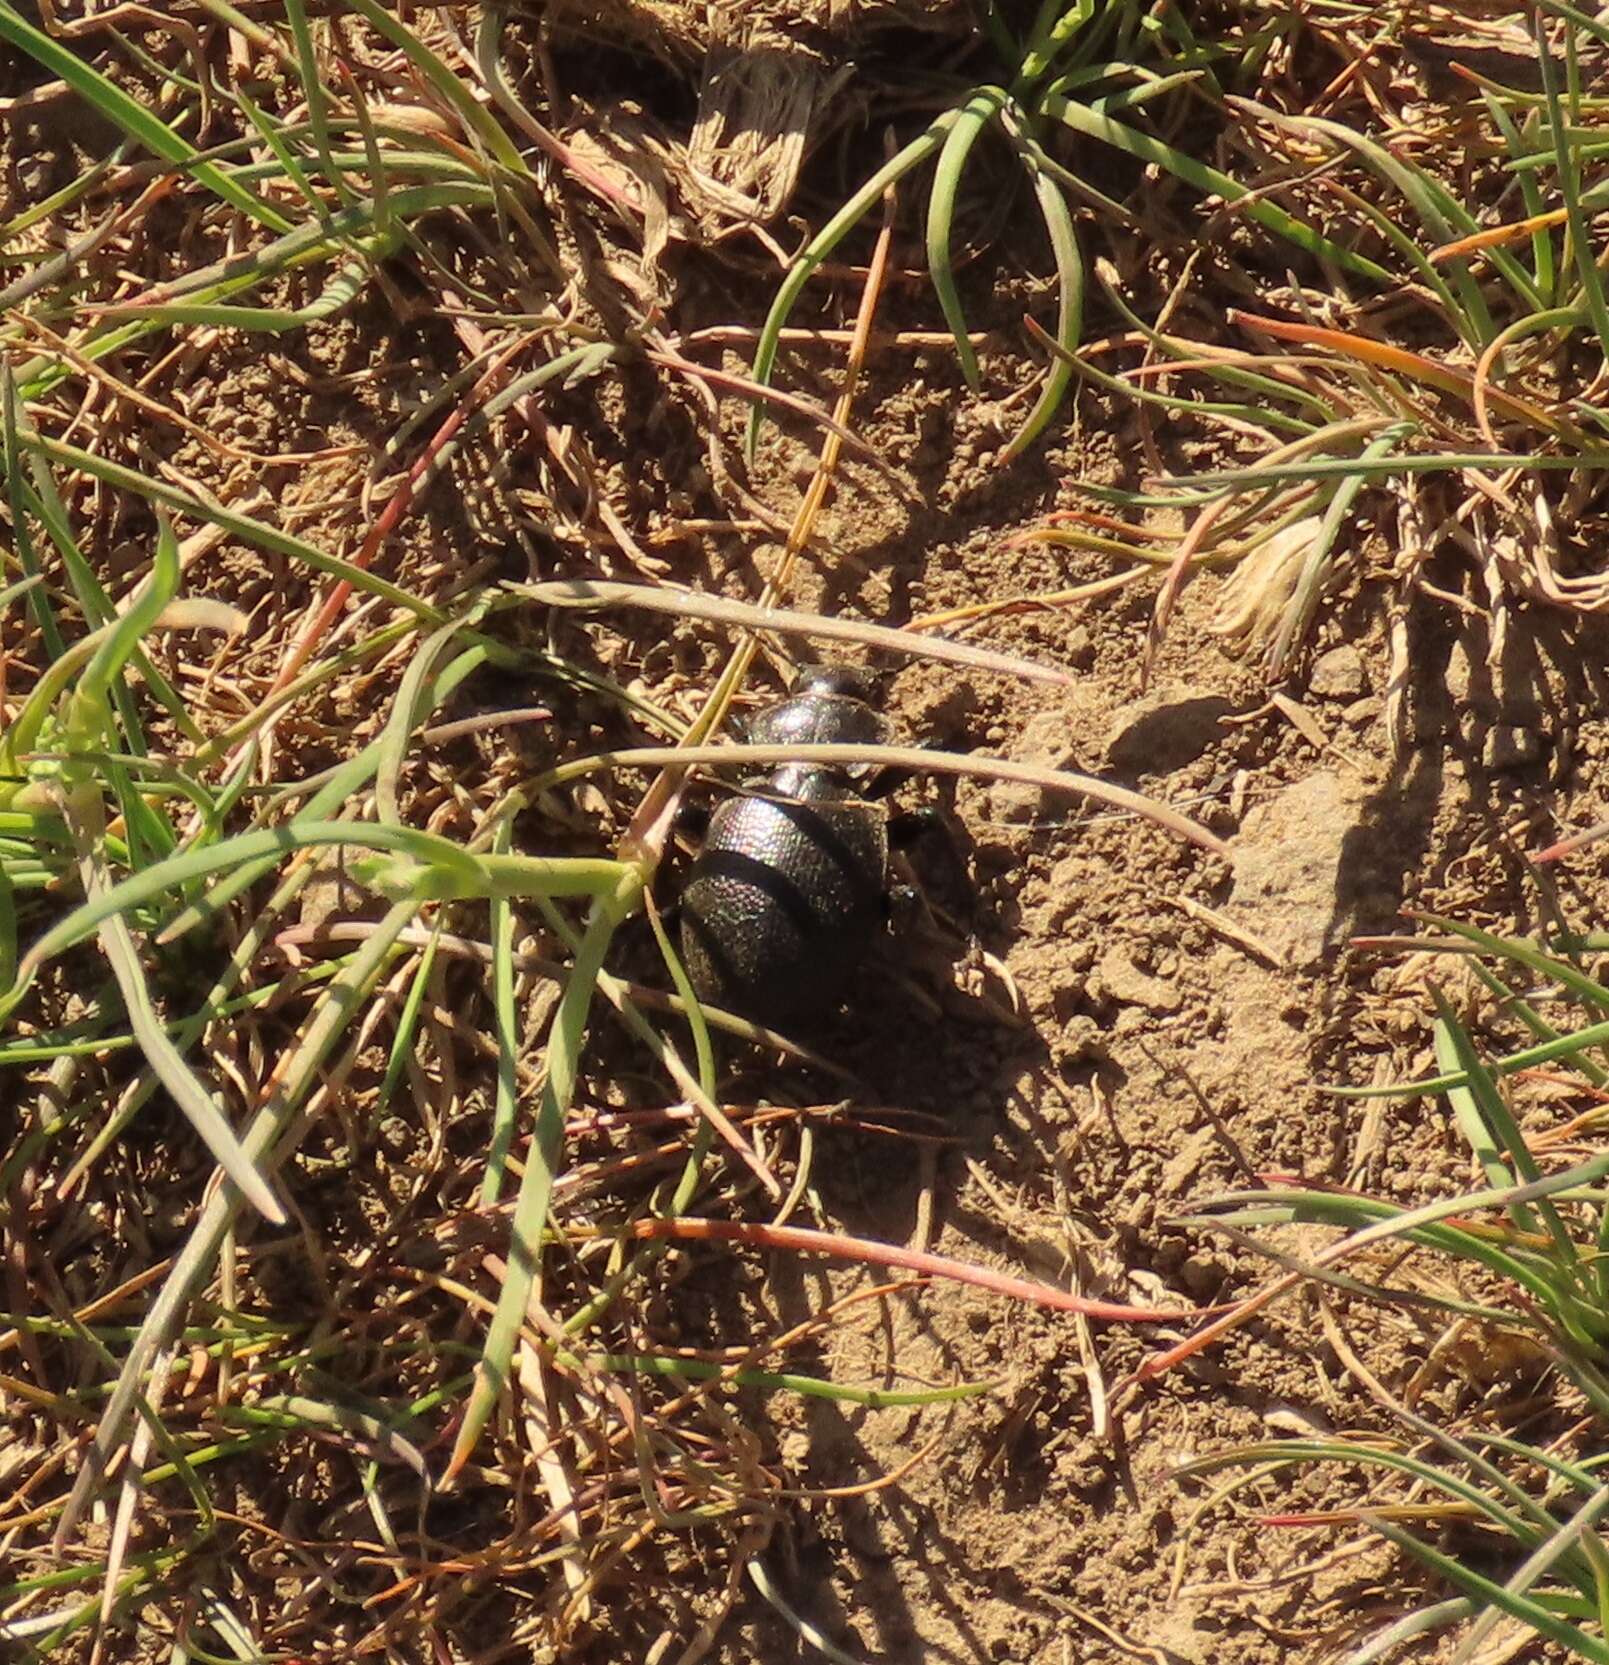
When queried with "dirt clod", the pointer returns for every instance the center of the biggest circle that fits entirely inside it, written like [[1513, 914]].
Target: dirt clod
[[1288, 865]]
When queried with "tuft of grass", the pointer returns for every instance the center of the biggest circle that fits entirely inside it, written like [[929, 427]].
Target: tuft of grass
[[1515, 1268], [1084, 69], [1462, 410]]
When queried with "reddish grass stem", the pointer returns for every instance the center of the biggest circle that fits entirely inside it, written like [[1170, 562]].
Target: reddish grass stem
[[802, 1240]]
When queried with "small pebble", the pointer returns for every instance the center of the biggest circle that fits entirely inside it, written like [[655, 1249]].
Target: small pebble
[[1338, 674]]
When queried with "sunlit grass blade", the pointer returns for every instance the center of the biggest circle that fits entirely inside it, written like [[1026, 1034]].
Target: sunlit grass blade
[[1582, 245], [342, 289], [1315, 567], [1439, 211], [263, 1142], [317, 98], [823, 243], [973, 118], [599, 593], [1209, 180], [245, 527], [541, 1166], [455, 871], [1489, 1593], [1069, 317], [27, 558], [477, 120], [131, 116]]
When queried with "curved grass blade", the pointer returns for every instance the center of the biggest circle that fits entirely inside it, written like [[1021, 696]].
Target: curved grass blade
[[1494, 1118], [1544, 270], [264, 1145], [1578, 1530], [565, 1043], [1310, 582], [1435, 1617], [483, 875], [1581, 239], [914, 758], [1069, 318], [242, 526], [1207, 179], [594, 593], [348, 779], [317, 100], [1488, 1593], [1442, 214], [505, 1023], [823, 243], [1526, 1528], [87, 718], [477, 120], [131, 116], [974, 116], [348, 283]]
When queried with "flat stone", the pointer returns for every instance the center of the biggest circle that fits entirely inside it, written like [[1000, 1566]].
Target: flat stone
[[1164, 732], [1338, 674], [1288, 861], [1121, 980]]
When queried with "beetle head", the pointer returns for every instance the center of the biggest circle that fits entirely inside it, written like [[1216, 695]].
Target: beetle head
[[856, 682]]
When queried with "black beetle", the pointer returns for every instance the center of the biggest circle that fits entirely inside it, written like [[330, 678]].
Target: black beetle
[[791, 885]]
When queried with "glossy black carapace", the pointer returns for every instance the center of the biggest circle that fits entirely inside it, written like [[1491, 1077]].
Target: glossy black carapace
[[790, 888]]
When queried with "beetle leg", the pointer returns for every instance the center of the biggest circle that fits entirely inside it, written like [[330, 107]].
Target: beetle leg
[[894, 775]]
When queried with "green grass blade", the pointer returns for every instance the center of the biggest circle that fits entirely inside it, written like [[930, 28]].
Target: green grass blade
[[505, 1021], [1578, 1530], [244, 527], [264, 1143], [541, 1167], [268, 130], [1581, 238], [1488, 1124], [347, 284], [1534, 1021], [347, 780], [1069, 317], [476, 118], [182, 1084], [130, 115], [408, 711], [22, 537], [981, 108], [1585, 988], [822, 244], [1310, 582], [314, 91], [1442, 214], [1544, 270], [554, 876], [701, 1370], [1430, 274], [1520, 1527], [1435, 1617], [407, 1024], [1209, 180], [1328, 468], [1488, 1593], [97, 608]]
